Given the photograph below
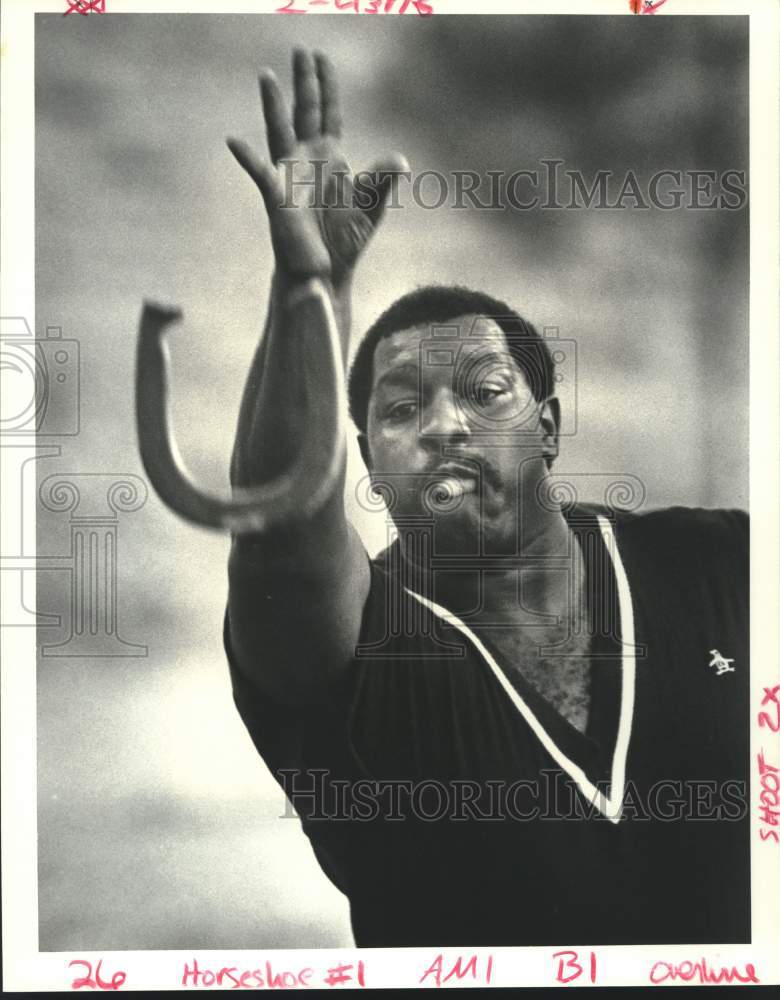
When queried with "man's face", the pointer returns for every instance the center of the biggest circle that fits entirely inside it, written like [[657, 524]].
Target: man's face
[[454, 432]]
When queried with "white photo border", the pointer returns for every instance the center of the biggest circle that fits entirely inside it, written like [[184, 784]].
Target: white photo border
[[25, 968]]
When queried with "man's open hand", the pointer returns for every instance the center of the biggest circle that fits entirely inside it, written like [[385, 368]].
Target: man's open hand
[[320, 219]]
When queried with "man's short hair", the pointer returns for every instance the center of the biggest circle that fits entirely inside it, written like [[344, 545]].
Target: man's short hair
[[441, 304]]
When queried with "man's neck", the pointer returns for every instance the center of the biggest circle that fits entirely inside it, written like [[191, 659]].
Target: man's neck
[[538, 578]]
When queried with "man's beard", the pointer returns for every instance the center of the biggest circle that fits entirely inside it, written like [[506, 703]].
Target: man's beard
[[477, 522], [481, 525]]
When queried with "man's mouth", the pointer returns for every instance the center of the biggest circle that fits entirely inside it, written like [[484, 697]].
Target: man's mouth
[[453, 480], [451, 487]]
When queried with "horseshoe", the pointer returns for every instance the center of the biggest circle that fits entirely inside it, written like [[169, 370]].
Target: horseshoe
[[315, 471]]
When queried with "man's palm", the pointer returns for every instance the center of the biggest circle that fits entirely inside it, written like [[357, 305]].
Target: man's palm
[[318, 225]]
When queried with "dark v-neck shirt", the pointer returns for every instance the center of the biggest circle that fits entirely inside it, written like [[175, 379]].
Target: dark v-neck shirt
[[450, 816]]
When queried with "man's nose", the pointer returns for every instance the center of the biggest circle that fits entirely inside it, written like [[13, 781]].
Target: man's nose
[[443, 417]]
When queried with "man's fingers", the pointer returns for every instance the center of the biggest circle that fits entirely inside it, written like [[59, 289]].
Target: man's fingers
[[278, 124], [329, 96], [307, 96], [261, 172]]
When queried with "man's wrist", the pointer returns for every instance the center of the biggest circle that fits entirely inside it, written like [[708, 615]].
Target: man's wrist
[[342, 286], [285, 284], [339, 281], [287, 280]]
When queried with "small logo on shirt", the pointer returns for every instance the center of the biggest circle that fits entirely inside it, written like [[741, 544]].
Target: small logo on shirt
[[721, 663]]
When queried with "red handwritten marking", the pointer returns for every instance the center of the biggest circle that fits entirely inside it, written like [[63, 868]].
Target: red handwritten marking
[[769, 798], [98, 982], [573, 963], [247, 979], [85, 6], [645, 6], [231, 977], [688, 971], [421, 7], [770, 784], [764, 718], [340, 974], [458, 970]]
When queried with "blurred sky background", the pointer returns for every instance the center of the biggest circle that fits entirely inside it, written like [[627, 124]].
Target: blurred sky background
[[158, 822]]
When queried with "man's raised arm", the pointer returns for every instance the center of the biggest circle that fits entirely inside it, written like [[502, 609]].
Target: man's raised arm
[[297, 591]]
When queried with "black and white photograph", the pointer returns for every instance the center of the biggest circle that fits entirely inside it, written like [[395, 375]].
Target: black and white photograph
[[390, 487]]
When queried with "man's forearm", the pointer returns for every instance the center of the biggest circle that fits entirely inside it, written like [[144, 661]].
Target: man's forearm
[[342, 306], [271, 421], [301, 585]]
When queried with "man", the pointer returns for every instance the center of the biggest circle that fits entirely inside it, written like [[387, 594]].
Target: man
[[504, 730]]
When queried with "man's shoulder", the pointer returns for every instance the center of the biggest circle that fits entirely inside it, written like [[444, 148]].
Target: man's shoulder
[[685, 523], [675, 525], [685, 536]]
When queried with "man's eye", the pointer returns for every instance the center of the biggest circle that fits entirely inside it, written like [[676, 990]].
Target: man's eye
[[484, 395], [401, 411]]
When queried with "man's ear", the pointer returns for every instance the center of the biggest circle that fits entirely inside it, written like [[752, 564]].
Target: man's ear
[[550, 422], [364, 452]]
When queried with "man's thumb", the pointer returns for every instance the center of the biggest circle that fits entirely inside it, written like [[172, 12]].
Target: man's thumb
[[260, 170]]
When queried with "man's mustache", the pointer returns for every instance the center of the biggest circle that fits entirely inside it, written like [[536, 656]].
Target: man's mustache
[[412, 486], [465, 466]]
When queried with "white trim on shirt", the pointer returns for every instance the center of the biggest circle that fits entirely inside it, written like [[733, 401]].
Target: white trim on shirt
[[611, 805]]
